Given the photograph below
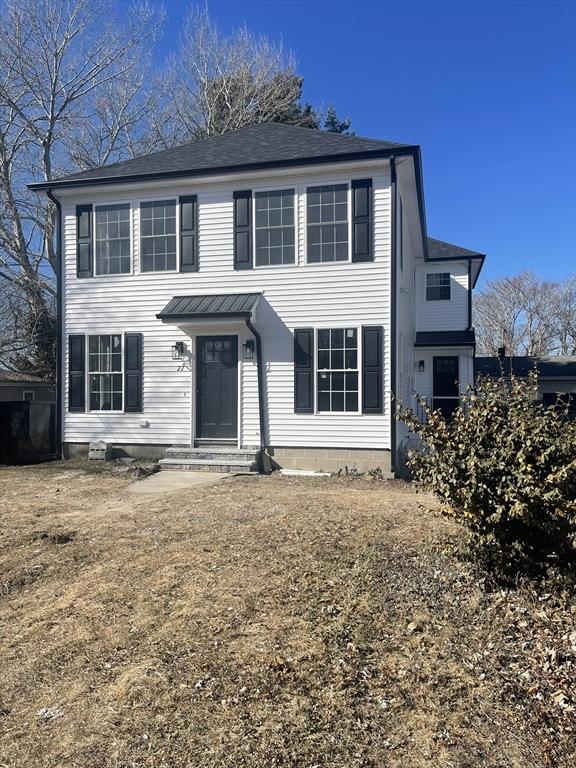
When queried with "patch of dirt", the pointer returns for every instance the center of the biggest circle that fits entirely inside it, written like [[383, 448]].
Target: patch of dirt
[[263, 622]]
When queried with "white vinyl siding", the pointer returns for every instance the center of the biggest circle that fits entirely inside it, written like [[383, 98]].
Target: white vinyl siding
[[406, 324], [451, 315], [332, 295]]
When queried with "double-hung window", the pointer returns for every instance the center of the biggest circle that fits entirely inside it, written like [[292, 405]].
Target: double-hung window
[[337, 370], [158, 236], [327, 223], [274, 226], [113, 239], [438, 286], [105, 373]]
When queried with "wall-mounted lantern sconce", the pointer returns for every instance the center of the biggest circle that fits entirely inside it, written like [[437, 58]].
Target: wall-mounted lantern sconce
[[420, 366], [178, 350], [248, 349]]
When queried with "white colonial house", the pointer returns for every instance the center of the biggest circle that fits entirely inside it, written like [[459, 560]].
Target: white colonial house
[[265, 293]]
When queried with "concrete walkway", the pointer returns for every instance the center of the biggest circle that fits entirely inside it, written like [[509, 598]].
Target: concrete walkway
[[169, 482]]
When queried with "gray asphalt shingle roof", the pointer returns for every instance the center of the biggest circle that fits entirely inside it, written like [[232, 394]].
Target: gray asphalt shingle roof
[[223, 305], [438, 249], [255, 145], [12, 377]]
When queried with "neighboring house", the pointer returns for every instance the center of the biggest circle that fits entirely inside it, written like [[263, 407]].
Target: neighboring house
[[273, 287], [19, 386], [556, 375]]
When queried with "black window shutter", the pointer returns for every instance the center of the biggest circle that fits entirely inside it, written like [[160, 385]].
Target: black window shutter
[[372, 369], [362, 220], [84, 241], [189, 233], [243, 229], [304, 370], [76, 373], [133, 372]]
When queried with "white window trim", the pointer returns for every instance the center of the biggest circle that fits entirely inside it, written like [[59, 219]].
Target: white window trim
[[103, 204], [158, 198], [296, 196], [28, 392], [330, 183], [436, 272], [358, 329], [87, 371]]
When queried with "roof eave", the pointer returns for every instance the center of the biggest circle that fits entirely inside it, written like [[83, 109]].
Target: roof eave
[[188, 173], [177, 317], [445, 344], [419, 178]]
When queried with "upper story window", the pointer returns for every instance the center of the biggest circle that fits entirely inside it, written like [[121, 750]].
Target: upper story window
[[337, 368], [158, 236], [113, 239], [105, 373], [327, 223], [438, 286], [274, 225]]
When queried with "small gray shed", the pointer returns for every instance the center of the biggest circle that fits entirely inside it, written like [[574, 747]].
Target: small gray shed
[[23, 387]]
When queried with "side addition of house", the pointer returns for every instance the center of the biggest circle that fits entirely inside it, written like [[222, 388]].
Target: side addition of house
[[271, 291]]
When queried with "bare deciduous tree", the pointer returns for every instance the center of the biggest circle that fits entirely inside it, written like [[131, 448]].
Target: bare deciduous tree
[[77, 91], [566, 319], [70, 96], [217, 82], [526, 315]]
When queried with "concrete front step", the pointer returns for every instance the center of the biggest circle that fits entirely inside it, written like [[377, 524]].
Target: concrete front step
[[209, 465], [223, 455]]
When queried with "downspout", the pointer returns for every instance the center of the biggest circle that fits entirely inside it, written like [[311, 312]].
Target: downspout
[[470, 324], [469, 295], [393, 316], [59, 383], [260, 373]]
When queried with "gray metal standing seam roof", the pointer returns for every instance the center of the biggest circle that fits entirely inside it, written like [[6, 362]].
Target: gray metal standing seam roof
[[445, 338], [223, 305]]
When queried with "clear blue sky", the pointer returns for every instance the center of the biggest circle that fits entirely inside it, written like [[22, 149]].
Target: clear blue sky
[[488, 90]]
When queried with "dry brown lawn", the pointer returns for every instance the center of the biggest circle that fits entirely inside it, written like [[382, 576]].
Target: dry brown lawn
[[262, 622]]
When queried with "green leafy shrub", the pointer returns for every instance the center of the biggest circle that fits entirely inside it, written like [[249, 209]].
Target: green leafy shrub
[[504, 466]]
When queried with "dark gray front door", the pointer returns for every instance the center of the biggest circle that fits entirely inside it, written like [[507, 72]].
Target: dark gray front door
[[445, 388], [217, 386]]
